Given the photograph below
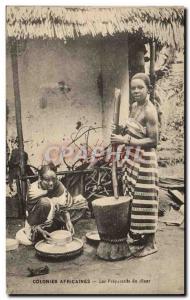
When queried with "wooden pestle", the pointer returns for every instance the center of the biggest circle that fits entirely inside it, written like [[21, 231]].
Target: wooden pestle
[[114, 146]]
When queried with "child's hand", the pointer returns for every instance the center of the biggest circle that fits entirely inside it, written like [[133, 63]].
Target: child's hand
[[70, 227], [44, 233]]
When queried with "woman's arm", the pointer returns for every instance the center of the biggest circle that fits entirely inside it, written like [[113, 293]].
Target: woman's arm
[[140, 142], [152, 132], [131, 141], [151, 140]]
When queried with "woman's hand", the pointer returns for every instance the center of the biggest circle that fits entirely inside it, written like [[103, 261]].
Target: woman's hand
[[114, 128], [117, 139]]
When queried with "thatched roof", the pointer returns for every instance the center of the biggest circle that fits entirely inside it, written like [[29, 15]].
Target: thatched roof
[[165, 24]]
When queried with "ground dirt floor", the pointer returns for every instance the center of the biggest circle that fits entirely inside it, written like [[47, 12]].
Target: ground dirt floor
[[159, 273]]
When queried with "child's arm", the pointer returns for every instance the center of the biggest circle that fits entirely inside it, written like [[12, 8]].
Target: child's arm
[[68, 222]]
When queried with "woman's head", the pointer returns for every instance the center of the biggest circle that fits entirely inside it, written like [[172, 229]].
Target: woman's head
[[48, 178], [140, 85]]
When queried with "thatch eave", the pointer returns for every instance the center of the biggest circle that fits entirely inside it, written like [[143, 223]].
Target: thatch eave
[[164, 24]]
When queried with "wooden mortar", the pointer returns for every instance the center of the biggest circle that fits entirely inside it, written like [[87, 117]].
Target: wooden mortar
[[112, 220], [112, 213]]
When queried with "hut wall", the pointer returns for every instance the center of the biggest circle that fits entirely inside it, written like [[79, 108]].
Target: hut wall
[[87, 66], [115, 75], [48, 117]]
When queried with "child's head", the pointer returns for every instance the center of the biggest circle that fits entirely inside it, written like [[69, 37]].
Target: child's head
[[140, 86], [48, 178]]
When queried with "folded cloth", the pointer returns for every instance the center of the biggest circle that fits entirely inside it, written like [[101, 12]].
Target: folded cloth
[[23, 237], [66, 203], [35, 191]]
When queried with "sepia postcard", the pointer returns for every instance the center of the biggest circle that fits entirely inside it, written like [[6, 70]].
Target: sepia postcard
[[95, 192]]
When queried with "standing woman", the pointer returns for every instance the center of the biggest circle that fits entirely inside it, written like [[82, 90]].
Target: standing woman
[[140, 170]]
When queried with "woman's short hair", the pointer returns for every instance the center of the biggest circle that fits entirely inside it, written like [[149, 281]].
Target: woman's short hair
[[143, 77]]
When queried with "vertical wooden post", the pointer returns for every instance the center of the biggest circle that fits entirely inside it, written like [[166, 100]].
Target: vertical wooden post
[[152, 69], [82, 178], [14, 59]]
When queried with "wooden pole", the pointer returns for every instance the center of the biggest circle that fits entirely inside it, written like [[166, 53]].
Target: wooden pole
[[152, 69], [14, 59], [114, 147]]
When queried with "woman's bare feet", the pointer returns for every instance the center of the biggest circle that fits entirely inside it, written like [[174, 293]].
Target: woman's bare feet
[[145, 251], [139, 242], [148, 248]]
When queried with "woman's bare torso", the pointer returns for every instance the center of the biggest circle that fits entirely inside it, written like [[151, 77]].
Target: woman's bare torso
[[139, 112]]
